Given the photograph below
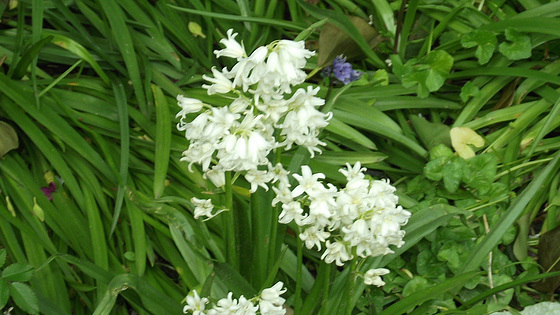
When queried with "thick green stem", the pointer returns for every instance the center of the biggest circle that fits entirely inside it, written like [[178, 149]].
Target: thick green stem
[[350, 286], [326, 286], [274, 249], [299, 277], [260, 255], [231, 250]]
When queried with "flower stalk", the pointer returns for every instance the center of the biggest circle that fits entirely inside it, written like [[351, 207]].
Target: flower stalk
[[230, 228], [299, 275]]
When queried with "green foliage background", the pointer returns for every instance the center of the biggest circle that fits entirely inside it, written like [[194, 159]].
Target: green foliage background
[[89, 88]]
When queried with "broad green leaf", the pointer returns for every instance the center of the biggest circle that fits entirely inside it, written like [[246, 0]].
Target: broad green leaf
[[431, 134], [18, 272], [400, 69], [453, 173], [434, 169], [439, 63], [449, 253], [417, 185], [417, 284], [24, 297], [481, 172], [485, 42], [440, 150], [468, 90], [4, 293], [428, 265], [8, 138], [518, 47], [428, 73], [381, 75]]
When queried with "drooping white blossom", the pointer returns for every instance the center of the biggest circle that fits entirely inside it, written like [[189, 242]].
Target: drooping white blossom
[[269, 302], [373, 276], [203, 207], [195, 304], [188, 106], [220, 83], [232, 49]]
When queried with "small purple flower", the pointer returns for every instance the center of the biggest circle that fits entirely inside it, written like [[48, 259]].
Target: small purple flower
[[49, 190], [342, 70]]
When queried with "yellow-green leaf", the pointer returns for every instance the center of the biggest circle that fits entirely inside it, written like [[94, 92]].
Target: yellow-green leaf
[[462, 138]]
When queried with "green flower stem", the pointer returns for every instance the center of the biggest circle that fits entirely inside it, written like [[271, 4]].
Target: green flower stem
[[259, 241], [299, 277], [326, 286], [274, 248], [231, 252], [350, 285]]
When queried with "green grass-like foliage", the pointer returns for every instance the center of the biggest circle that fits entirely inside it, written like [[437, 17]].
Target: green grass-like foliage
[[87, 102]]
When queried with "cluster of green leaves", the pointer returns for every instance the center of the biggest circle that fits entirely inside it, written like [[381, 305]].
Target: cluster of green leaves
[[477, 173], [12, 285]]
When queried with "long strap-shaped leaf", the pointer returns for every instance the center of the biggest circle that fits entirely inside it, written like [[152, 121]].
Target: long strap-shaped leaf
[[154, 301], [122, 106], [122, 36]]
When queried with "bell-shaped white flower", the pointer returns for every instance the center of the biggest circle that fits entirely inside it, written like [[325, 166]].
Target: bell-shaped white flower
[[195, 304], [313, 236], [188, 105], [308, 182], [373, 276], [233, 48], [220, 83], [336, 252]]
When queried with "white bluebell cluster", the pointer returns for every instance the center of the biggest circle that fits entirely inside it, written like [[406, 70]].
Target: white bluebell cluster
[[361, 219], [269, 302], [264, 113]]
